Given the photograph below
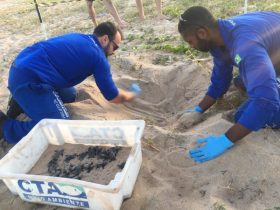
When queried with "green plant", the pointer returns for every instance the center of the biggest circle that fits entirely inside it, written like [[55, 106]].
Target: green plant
[[131, 37], [176, 49], [218, 206], [160, 39], [162, 60], [172, 10], [274, 6]]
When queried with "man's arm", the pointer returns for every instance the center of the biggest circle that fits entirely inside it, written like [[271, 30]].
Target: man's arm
[[220, 78], [91, 12], [206, 102], [237, 132], [258, 72], [220, 82]]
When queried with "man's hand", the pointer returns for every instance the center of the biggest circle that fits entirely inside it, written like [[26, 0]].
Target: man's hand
[[213, 147], [129, 96], [190, 117], [124, 95]]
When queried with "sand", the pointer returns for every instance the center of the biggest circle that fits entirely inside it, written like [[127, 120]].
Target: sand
[[92, 164], [244, 178]]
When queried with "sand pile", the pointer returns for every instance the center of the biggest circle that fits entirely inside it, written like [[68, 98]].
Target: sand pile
[[245, 178], [87, 163]]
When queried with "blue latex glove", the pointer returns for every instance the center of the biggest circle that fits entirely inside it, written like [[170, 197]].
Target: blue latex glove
[[213, 147], [135, 88], [195, 109]]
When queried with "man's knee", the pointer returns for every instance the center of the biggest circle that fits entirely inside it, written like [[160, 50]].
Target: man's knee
[[240, 110], [67, 95]]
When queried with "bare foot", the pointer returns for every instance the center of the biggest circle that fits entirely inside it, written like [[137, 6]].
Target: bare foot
[[142, 18], [123, 24]]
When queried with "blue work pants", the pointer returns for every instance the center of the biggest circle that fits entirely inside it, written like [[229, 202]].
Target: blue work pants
[[38, 101]]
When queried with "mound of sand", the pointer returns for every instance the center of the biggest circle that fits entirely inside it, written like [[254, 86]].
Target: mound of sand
[[246, 177]]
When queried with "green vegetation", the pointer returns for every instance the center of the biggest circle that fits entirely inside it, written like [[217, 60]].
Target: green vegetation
[[218, 206], [160, 39], [23, 18], [176, 49], [220, 8], [172, 10], [164, 60], [149, 40], [166, 43], [275, 208], [131, 37]]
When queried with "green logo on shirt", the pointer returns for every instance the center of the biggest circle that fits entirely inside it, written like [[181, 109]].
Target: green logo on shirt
[[237, 59]]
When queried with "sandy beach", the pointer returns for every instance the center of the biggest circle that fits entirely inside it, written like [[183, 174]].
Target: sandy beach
[[247, 177]]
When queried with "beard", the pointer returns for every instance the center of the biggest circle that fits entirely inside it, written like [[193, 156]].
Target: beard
[[106, 49], [203, 45]]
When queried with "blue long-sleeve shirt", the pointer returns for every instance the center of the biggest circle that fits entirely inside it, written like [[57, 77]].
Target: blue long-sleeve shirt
[[64, 61], [252, 43]]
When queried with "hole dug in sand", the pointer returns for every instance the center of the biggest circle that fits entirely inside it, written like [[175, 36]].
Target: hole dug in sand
[[166, 90]]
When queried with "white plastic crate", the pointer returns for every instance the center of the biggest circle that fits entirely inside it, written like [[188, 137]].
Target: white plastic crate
[[67, 192]]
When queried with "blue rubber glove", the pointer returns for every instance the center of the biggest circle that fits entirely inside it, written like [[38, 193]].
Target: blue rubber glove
[[195, 109], [135, 88], [213, 147]]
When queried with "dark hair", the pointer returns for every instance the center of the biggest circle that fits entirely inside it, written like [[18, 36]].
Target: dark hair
[[107, 28], [195, 17]]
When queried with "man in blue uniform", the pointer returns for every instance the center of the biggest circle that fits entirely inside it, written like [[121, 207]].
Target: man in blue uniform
[[250, 42], [42, 77]]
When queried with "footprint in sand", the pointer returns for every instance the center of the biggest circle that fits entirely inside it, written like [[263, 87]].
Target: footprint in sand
[[180, 158]]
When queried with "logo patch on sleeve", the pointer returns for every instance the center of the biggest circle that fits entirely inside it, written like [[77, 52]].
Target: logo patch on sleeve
[[237, 59]]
